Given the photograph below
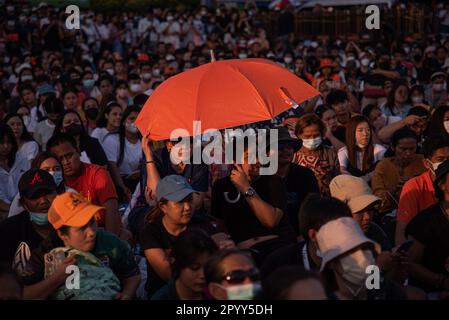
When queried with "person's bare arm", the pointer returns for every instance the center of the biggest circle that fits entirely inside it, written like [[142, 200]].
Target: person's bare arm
[[112, 218], [336, 143], [268, 215], [388, 74], [355, 105], [400, 232], [387, 132], [115, 175], [152, 173], [129, 286], [43, 289], [311, 104], [160, 262]]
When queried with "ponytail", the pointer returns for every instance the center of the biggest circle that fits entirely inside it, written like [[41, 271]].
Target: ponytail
[[155, 212]]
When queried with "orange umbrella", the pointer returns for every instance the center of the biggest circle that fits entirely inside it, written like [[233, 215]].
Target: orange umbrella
[[221, 94]]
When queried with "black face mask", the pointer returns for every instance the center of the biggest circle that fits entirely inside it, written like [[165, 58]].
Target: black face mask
[[91, 113], [74, 129]]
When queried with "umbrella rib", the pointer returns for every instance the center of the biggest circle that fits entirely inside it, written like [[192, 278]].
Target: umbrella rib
[[257, 91]]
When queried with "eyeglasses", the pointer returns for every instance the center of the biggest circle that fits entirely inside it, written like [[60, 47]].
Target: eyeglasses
[[238, 276]]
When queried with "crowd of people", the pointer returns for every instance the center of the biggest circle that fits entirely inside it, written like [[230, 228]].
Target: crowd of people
[[362, 178]]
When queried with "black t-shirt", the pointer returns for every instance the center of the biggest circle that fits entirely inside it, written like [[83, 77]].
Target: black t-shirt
[[340, 133], [18, 238], [94, 150], [299, 182], [376, 234], [155, 236], [167, 292], [241, 222], [291, 255], [431, 228]]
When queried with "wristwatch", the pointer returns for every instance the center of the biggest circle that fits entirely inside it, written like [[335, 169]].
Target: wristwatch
[[250, 192]]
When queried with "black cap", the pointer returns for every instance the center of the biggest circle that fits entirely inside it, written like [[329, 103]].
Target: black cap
[[284, 136], [35, 180]]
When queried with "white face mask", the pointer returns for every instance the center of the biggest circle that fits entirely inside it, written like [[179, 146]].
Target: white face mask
[[242, 291], [354, 266], [131, 127], [243, 55], [312, 144], [438, 87], [435, 165], [57, 176], [446, 126], [135, 87], [146, 76], [110, 71], [365, 62], [288, 60], [26, 78], [156, 72], [417, 99]]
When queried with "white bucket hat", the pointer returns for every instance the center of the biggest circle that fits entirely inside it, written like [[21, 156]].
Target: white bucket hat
[[340, 236], [353, 191]]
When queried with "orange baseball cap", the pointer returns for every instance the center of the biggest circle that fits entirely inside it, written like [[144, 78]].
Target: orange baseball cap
[[71, 209]]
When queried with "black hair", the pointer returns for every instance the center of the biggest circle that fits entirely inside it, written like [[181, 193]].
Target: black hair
[[6, 131], [102, 122], [403, 133], [317, 210], [391, 96], [336, 96], [59, 139], [212, 269], [436, 125], [278, 284], [26, 136], [321, 109], [140, 100], [53, 105], [122, 132], [418, 111], [60, 121], [368, 109], [188, 246], [83, 105], [431, 145]]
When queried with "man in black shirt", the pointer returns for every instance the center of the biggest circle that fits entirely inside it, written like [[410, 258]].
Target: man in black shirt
[[253, 208], [298, 180], [316, 211], [429, 254], [22, 233]]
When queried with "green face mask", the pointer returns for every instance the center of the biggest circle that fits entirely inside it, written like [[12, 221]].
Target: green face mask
[[41, 219]]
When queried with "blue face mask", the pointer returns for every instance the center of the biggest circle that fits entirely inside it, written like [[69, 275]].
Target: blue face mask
[[57, 176], [41, 219], [88, 83]]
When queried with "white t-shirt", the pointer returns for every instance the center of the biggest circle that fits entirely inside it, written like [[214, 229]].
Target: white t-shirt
[[131, 154], [35, 118], [343, 157], [9, 181], [44, 131], [29, 150], [99, 133]]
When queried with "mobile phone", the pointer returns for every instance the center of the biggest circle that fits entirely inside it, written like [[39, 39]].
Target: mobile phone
[[405, 246]]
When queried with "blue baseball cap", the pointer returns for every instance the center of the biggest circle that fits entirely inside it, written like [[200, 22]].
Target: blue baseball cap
[[173, 188], [46, 88]]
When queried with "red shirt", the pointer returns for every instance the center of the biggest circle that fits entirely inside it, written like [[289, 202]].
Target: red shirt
[[96, 185], [416, 195]]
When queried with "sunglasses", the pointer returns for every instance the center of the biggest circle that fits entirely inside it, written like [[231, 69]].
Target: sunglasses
[[238, 276]]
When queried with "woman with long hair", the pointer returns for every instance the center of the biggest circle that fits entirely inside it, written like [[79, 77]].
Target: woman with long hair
[[12, 165], [108, 122], [163, 224], [439, 123], [124, 152], [360, 155], [27, 146], [91, 150], [397, 101]]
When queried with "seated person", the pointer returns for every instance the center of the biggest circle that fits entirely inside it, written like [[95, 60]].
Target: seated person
[[253, 207], [106, 263], [21, 234], [391, 173], [92, 181]]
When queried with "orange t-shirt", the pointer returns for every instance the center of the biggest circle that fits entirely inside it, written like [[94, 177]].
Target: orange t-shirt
[[96, 185], [417, 194]]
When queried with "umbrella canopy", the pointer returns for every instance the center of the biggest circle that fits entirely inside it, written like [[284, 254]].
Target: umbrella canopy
[[221, 94]]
